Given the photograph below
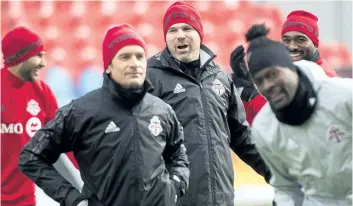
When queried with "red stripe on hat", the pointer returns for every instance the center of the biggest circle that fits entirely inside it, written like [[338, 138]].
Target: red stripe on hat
[[304, 22], [19, 45], [117, 38], [182, 12]]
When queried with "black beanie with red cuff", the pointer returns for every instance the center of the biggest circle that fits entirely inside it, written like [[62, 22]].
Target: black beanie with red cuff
[[264, 53]]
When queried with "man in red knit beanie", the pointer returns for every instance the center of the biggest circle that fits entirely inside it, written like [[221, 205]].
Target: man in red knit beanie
[[128, 143], [300, 33], [26, 104], [207, 104]]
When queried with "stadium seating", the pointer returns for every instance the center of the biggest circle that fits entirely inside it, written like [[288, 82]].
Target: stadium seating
[[73, 32]]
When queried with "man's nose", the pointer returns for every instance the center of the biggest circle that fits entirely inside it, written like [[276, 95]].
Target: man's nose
[[267, 86], [292, 45], [134, 62], [180, 34], [43, 62]]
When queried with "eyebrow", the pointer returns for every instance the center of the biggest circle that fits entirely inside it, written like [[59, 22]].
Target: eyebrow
[[131, 53], [173, 28], [181, 27], [294, 37]]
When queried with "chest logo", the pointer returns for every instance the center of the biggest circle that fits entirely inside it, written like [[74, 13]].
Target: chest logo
[[33, 107], [111, 128], [335, 133], [155, 126], [218, 87], [178, 89], [32, 126]]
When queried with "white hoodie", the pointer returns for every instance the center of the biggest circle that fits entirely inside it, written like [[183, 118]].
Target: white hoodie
[[312, 163]]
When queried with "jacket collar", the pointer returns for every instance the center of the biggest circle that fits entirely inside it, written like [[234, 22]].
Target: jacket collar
[[206, 58], [316, 57], [303, 104], [111, 86]]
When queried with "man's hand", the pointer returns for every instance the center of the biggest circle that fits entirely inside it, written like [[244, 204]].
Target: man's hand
[[241, 75], [238, 64]]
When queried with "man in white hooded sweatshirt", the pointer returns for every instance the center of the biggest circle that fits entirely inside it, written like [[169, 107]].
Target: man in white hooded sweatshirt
[[304, 132]]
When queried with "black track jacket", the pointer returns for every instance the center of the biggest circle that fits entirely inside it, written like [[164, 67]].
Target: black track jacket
[[126, 157], [213, 118]]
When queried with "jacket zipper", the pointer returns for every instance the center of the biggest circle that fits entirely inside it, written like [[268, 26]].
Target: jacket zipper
[[210, 147], [209, 139], [136, 156]]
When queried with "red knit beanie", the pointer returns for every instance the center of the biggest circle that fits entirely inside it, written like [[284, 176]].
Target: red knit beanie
[[19, 45], [304, 22], [117, 38], [182, 12]]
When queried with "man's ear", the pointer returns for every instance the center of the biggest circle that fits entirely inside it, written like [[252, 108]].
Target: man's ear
[[109, 69]]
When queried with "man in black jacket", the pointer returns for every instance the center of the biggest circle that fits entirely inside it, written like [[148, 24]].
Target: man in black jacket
[[127, 142], [207, 105]]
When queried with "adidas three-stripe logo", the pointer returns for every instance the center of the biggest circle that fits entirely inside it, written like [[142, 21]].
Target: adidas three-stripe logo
[[178, 88], [111, 128]]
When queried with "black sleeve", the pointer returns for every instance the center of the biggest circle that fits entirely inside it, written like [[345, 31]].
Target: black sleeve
[[241, 135], [43, 150], [175, 154]]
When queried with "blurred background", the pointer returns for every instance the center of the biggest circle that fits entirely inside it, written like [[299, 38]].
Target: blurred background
[[74, 30]]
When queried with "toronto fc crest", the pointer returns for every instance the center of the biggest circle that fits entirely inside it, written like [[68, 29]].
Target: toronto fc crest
[[335, 133], [155, 126], [218, 87], [33, 107]]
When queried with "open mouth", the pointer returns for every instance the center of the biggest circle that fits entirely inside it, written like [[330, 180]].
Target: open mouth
[[296, 54], [182, 47]]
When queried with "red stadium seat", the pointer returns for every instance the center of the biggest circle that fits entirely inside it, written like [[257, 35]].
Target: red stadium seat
[[337, 55], [74, 30]]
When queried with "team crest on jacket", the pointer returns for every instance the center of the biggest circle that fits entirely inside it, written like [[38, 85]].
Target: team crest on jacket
[[33, 107], [335, 133], [218, 87], [155, 126]]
